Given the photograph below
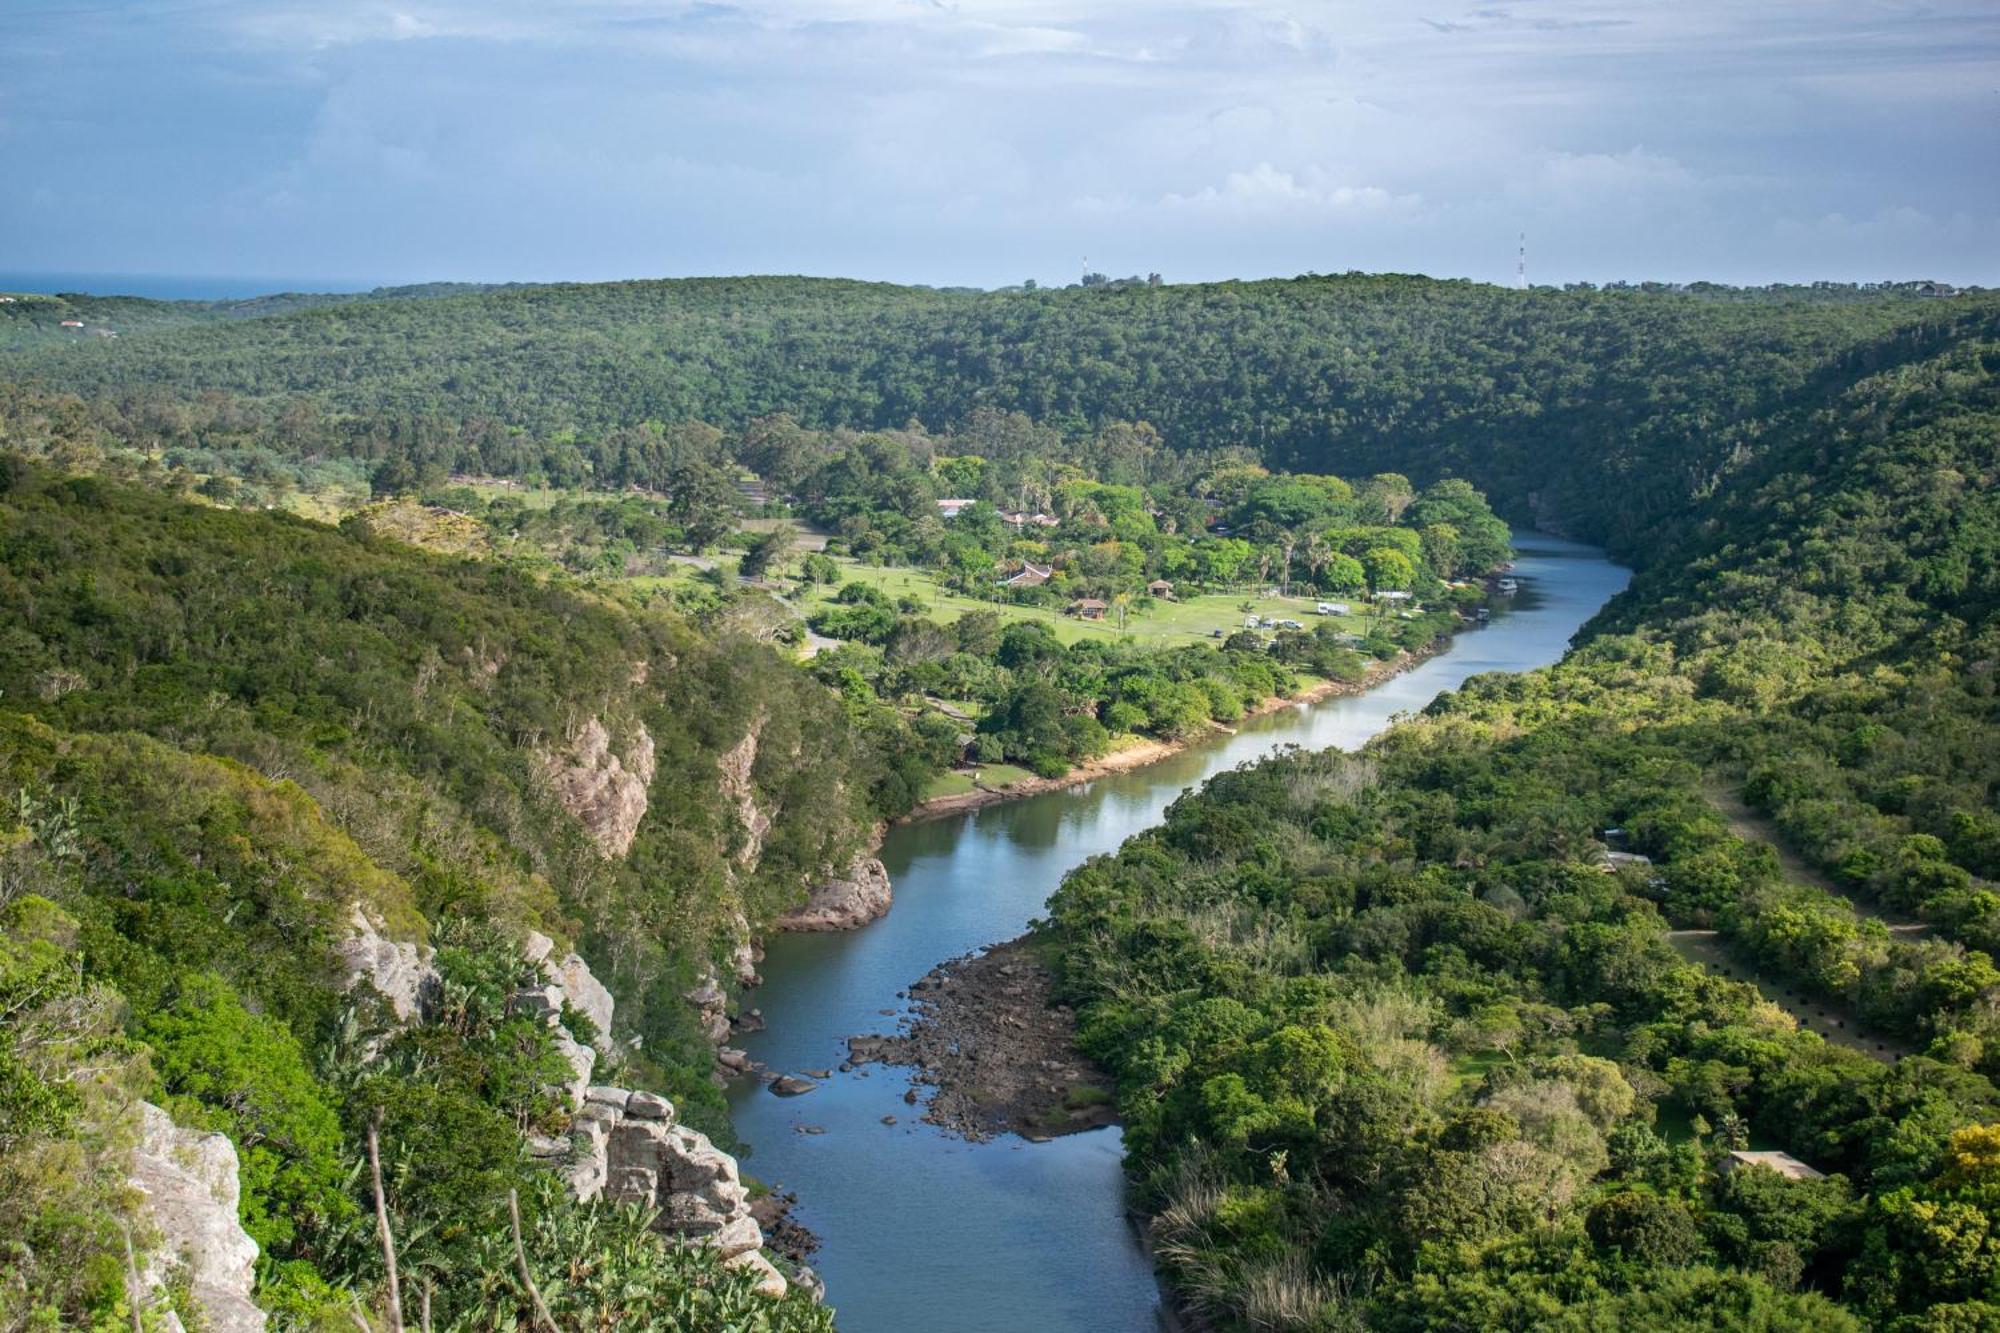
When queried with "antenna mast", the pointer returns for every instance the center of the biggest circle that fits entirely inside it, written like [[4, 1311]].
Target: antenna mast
[[1521, 265]]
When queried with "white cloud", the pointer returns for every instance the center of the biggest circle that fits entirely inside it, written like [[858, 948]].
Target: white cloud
[[968, 140], [1266, 192]]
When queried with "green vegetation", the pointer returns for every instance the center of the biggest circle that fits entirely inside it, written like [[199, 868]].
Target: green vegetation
[[225, 732], [1600, 411], [1399, 1039]]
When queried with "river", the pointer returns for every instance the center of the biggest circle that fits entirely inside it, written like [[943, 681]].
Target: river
[[925, 1233]]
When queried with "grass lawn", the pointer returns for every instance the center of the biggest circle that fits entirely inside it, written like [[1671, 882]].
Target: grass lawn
[[957, 783], [1470, 1067], [1001, 775], [1192, 620], [534, 497], [948, 784]]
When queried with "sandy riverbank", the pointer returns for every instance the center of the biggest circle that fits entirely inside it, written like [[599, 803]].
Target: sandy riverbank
[[1142, 752]]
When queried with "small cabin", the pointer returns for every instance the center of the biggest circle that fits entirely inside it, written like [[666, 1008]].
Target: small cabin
[[1160, 588], [1786, 1165], [72, 323], [1333, 609], [1029, 575], [1393, 595], [1089, 608], [953, 508]]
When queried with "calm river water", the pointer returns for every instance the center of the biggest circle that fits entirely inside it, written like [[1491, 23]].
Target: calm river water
[[924, 1233]]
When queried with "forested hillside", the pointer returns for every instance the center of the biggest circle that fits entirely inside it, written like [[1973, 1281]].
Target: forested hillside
[[228, 737], [1401, 1038], [1602, 412]]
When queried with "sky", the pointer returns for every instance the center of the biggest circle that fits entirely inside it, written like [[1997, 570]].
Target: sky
[[983, 142]]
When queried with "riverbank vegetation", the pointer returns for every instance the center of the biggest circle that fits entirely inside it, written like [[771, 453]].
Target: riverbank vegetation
[[1399, 1040]]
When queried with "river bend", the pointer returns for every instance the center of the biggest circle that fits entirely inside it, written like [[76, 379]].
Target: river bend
[[924, 1233]]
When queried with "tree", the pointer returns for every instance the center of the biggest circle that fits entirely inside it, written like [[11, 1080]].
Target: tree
[[223, 1067], [766, 552], [703, 500], [1388, 569]]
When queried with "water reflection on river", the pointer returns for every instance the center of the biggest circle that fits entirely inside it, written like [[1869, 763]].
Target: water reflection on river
[[927, 1234]]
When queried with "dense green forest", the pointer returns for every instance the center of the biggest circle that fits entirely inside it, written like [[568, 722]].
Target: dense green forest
[[1552, 402], [1400, 1039], [1403, 1039]]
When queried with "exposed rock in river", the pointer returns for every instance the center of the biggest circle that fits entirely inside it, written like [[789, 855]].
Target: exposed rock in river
[[188, 1188], [855, 899], [1000, 1053], [606, 793]]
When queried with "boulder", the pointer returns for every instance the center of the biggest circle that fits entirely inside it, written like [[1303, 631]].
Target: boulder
[[585, 993], [712, 1003], [770, 1282], [399, 971], [582, 1062], [611, 1097], [791, 1085], [737, 764], [626, 1148], [854, 899], [541, 1003]]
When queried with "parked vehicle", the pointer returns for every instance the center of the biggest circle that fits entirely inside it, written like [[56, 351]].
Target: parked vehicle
[[1332, 609]]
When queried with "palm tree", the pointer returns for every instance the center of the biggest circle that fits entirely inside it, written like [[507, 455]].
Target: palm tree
[[1288, 541], [1318, 553]]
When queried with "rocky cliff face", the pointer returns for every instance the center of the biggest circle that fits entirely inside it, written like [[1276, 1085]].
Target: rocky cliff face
[[188, 1189], [855, 899], [627, 1148], [737, 764], [605, 792]]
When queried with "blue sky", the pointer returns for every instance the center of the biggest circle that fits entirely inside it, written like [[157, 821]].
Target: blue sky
[[987, 141]]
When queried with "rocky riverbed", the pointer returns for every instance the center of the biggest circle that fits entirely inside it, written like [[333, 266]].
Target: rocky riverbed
[[998, 1053]]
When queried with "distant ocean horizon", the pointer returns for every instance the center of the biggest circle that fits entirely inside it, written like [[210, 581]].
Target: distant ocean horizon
[[175, 287]]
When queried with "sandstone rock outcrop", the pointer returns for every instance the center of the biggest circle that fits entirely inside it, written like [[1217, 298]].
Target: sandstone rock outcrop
[[605, 792], [712, 1004], [188, 1190], [573, 977], [736, 764], [628, 1148], [400, 972], [855, 899]]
